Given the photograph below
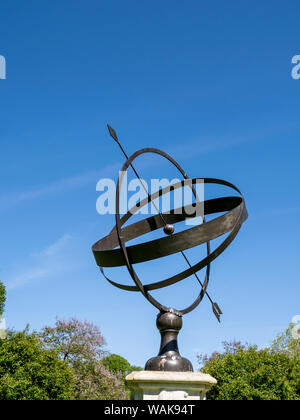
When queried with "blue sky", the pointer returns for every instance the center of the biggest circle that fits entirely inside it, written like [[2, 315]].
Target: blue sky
[[210, 84]]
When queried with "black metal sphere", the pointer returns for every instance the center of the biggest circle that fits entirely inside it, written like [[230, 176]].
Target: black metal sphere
[[169, 229]]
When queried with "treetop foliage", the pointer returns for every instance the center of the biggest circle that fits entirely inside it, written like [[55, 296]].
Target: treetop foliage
[[285, 343], [74, 340], [2, 298], [117, 365], [245, 373], [29, 372], [80, 344]]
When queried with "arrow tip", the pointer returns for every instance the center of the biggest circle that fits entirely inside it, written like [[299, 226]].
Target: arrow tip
[[112, 133]]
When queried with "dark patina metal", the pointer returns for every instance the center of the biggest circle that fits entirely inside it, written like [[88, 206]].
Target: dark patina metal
[[111, 251], [168, 358]]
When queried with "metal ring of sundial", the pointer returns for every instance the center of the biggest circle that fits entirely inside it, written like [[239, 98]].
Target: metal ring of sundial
[[107, 255]]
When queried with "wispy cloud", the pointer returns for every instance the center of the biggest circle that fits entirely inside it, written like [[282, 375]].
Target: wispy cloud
[[63, 185], [190, 149], [223, 141], [53, 260]]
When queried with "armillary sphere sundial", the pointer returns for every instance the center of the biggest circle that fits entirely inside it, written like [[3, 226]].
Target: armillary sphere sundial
[[111, 251]]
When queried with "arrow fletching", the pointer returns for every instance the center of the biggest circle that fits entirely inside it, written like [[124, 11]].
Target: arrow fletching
[[112, 133], [217, 311], [218, 308]]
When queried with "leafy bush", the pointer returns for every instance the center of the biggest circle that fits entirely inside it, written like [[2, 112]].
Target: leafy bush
[[2, 298], [246, 373], [29, 372], [117, 364]]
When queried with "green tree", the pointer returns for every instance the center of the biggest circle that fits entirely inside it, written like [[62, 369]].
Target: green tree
[[2, 298], [117, 365], [29, 372], [246, 373], [135, 368], [286, 343], [3, 332]]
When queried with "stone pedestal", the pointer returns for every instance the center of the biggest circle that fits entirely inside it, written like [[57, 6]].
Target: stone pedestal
[[154, 385]]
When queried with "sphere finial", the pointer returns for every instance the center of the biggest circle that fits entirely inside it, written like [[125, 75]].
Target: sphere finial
[[169, 229]]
